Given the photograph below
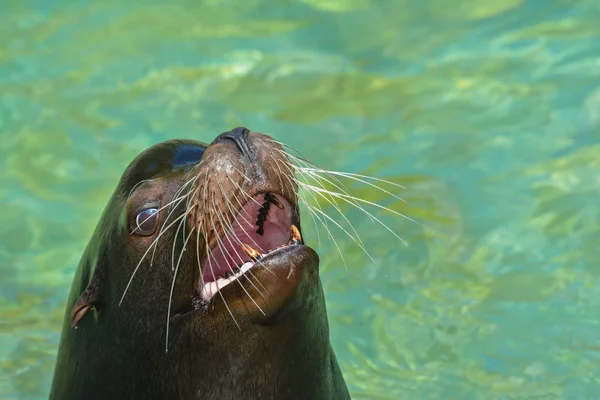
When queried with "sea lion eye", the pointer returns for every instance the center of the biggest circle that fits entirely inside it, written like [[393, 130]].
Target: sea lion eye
[[145, 222]]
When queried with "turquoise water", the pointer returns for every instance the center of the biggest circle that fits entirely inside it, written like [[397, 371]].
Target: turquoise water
[[487, 111]]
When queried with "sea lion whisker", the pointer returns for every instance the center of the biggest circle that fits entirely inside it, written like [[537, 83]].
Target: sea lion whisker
[[331, 200], [307, 162], [172, 288], [245, 218], [214, 210], [249, 273], [302, 160], [190, 183], [188, 207], [308, 206], [300, 184], [278, 167], [220, 244], [292, 179], [300, 170], [242, 209], [143, 257], [198, 231], [203, 229], [198, 257], [226, 235], [177, 200], [329, 234], [358, 241], [153, 246], [242, 173], [193, 199], [304, 166], [181, 223], [344, 189], [348, 197], [190, 191], [158, 210], [285, 146], [295, 181], [259, 262], [242, 191], [241, 214], [197, 166], [334, 203], [351, 175], [216, 235], [368, 213], [163, 227], [331, 237], [315, 170], [138, 184], [182, 188], [230, 230], [208, 256], [184, 229], [240, 188]]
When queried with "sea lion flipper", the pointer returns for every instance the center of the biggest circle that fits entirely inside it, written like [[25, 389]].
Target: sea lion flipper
[[89, 299]]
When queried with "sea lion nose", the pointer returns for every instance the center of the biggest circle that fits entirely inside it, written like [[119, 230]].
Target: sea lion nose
[[239, 136]]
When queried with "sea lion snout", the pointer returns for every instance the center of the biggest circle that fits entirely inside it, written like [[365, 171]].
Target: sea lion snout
[[244, 204]]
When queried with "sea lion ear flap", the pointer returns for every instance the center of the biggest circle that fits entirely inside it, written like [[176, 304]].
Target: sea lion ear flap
[[89, 299]]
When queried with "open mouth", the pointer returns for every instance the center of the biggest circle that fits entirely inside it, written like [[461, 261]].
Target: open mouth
[[265, 224]]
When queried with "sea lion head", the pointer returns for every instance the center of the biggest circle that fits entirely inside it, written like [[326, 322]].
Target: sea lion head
[[198, 268]]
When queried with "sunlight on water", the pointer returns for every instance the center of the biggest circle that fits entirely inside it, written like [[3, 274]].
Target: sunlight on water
[[487, 111]]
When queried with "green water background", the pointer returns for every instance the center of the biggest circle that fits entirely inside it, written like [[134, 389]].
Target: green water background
[[488, 111]]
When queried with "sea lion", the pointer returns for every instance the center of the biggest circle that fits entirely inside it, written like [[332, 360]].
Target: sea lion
[[197, 284]]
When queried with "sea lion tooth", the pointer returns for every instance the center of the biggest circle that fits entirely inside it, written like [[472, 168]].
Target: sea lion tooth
[[275, 201], [296, 234], [252, 253]]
